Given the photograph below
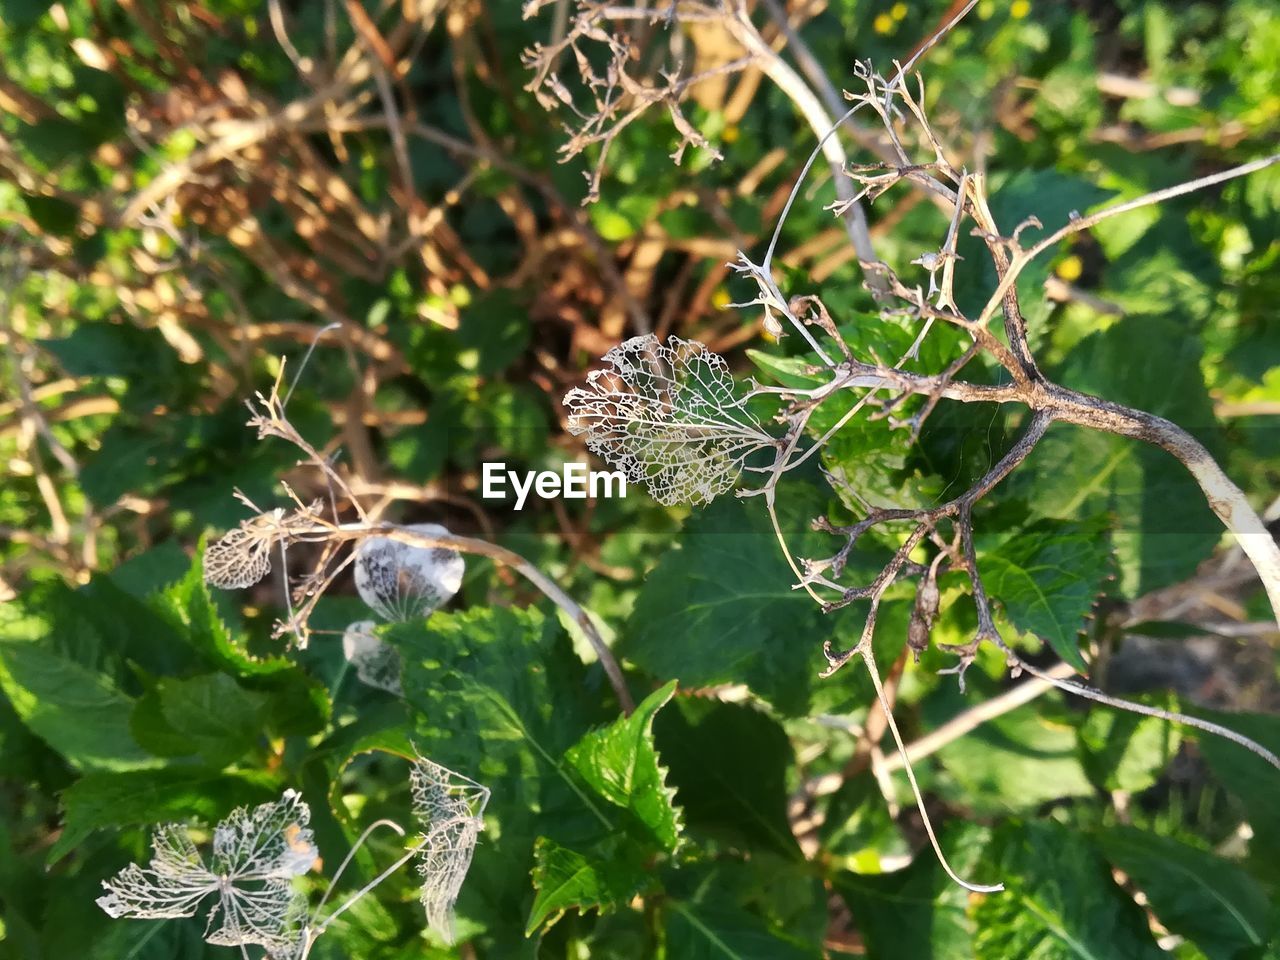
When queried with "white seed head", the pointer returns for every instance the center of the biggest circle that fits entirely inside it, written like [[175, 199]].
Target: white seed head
[[256, 855], [402, 582]]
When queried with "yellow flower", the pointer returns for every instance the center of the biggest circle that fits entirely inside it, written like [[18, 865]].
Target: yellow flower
[[720, 299], [883, 23], [1070, 268], [730, 134], [1020, 9], [898, 11]]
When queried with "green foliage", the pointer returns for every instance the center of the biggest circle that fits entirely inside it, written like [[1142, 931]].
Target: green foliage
[[1162, 527], [1210, 901], [1047, 576], [742, 811], [1060, 901]]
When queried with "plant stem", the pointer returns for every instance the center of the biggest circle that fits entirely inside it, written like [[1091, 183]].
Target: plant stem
[[549, 588]]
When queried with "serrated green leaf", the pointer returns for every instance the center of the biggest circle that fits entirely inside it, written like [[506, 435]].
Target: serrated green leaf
[[214, 715], [79, 711], [620, 764], [1060, 901], [610, 873], [1047, 576], [1209, 900], [728, 764], [188, 604]]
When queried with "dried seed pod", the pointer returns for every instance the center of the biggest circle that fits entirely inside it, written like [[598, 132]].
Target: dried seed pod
[[377, 662], [402, 582], [923, 614]]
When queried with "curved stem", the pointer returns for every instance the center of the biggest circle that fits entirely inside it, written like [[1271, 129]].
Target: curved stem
[[346, 861], [355, 897], [869, 660], [792, 84], [1089, 693], [1084, 223], [1224, 498], [548, 587]]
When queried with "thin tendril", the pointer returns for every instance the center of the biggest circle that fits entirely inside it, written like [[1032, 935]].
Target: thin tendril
[[869, 659], [315, 341], [804, 172], [355, 847], [1089, 693], [351, 901]]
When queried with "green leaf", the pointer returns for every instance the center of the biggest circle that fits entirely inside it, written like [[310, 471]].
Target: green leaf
[[728, 763], [210, 715], [1015, 762], [1250, 778], [1127, 751], [189, 605], [1047, 576], [1210, 901], [496, 326], [1060, 901], [728, 911], [140, 798], [77, 710], [499, 697], [142, 358], [612, 872], [920, 912], [620, 764], [721, 608]]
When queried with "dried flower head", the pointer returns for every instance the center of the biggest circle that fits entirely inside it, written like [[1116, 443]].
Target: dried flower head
[[450, 808], [242, 557], [402, 582], [256, 855], [666, 415], [377, 662]]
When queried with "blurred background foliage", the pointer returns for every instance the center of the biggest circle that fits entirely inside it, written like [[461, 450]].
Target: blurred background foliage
[[189, 192]]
